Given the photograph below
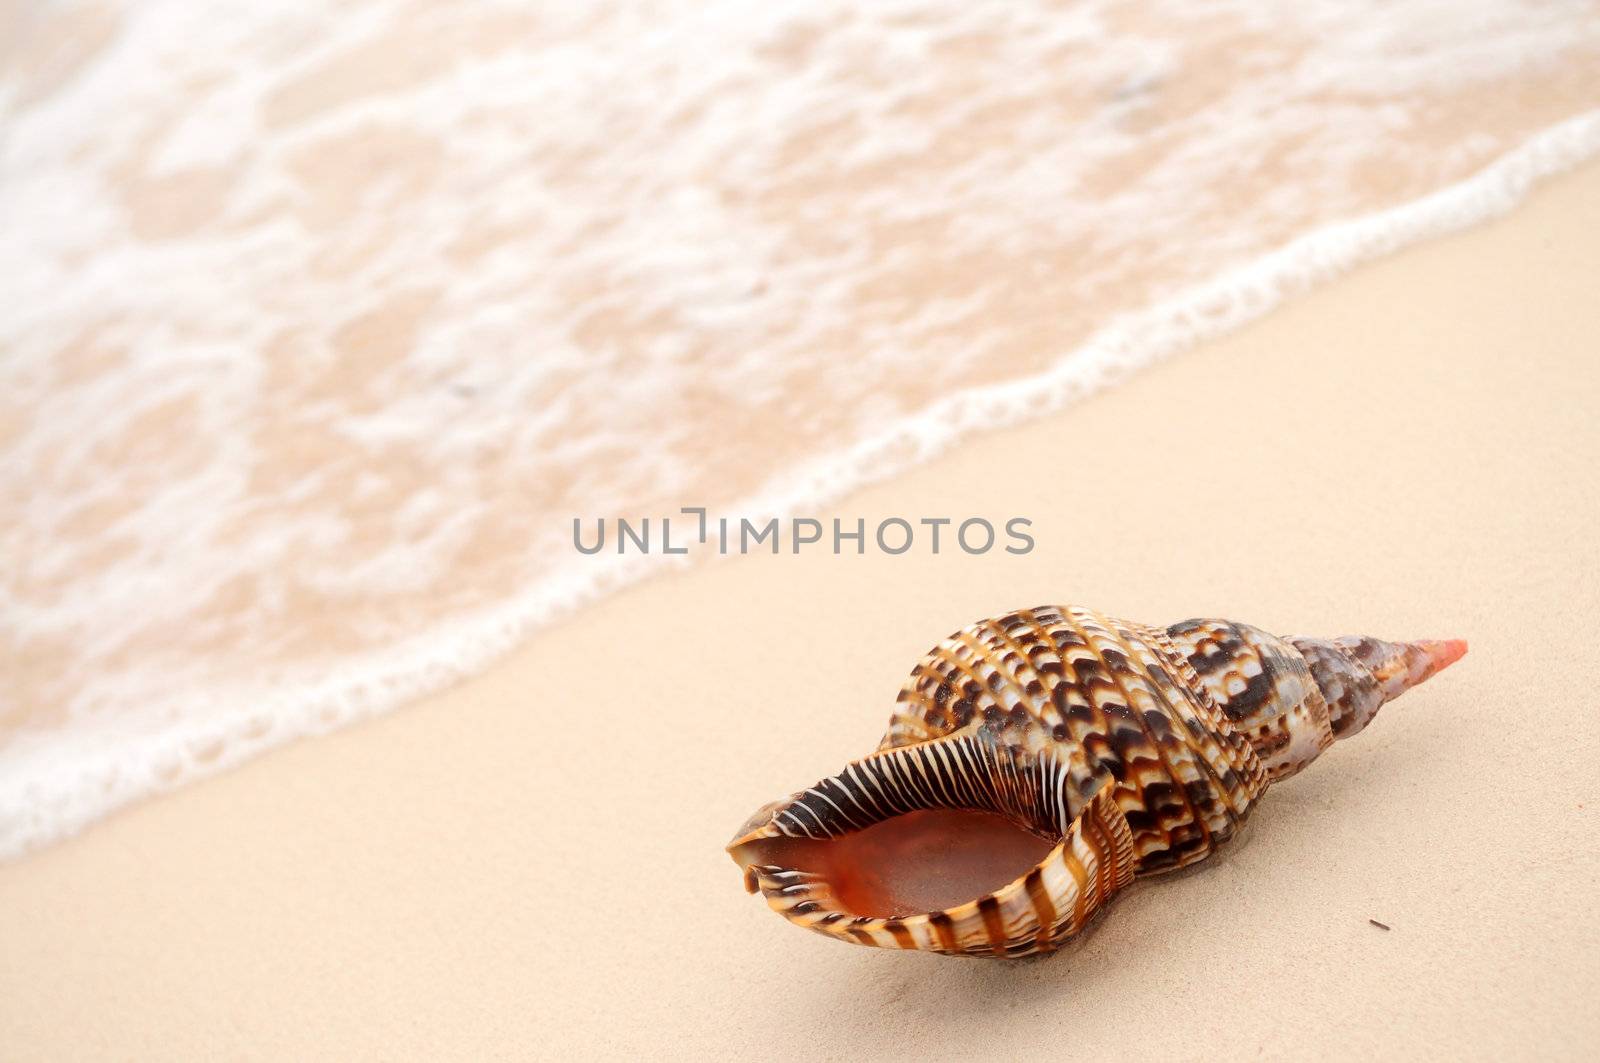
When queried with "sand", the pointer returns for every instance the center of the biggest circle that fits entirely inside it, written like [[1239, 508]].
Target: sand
[[531, 864]]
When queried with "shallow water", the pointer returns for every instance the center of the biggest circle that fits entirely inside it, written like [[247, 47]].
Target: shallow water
[[325, 322]]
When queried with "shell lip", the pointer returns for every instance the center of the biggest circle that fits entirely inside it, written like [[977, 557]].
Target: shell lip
[[967, 770], [759, 826], [981, 926], [865, 792]]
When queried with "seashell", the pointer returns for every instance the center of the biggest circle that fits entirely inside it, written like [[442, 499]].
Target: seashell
[[1040, 762]]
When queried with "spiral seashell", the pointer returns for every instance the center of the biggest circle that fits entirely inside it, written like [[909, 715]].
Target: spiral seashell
[[1040, 762]]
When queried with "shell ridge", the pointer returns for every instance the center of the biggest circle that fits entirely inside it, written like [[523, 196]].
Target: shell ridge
[[944, 653], [1018, 680], [1162, 753], [984, 654], [1245, 762], [1176, 757], [1129, 792], [1204, 745]]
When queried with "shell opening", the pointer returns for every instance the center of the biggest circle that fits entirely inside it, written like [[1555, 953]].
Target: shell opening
[[925, 860], [960, 844]]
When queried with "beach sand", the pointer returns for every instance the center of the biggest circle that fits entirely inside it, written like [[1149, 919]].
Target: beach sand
[[531, 864]]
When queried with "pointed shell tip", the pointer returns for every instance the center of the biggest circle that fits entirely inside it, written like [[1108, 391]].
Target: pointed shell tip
[[1446, 652]]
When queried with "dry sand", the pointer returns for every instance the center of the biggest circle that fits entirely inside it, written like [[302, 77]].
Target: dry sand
[[531, 864]]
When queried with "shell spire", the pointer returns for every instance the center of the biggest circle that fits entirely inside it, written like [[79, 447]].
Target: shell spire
[[1040, 762], [1358, 675]]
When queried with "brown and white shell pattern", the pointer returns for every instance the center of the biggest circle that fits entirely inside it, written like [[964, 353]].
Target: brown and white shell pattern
[[1135, 749]]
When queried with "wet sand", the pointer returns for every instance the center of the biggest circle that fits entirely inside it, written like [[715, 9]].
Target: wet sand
[[530, 865]]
